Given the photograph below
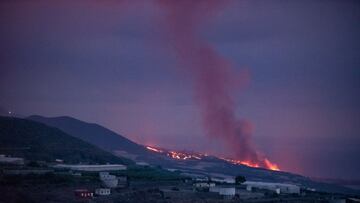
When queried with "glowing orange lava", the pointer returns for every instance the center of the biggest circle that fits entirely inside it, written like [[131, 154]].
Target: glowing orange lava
[[198, 156], [271, 166], [181, 155], [268, 164]]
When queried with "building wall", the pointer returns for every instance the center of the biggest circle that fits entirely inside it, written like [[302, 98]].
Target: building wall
[[107, 167], [284, 188], [102, 191]]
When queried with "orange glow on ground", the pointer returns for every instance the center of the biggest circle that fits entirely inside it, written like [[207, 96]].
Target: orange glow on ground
[[268, 164], [187, 155], [271, 166], [181, 155]]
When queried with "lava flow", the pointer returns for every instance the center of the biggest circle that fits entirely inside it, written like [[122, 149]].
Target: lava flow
[[268, 164], [198, 156]]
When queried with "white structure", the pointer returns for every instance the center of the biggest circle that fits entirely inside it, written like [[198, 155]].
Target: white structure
[[204, 185], [276, 187], [11, 160], [108, 180], [142, 163], [215, 189], [93, 168], [227, 192], [223, 180], [102, 191], [172, 169], [196, 176], [122, 181]]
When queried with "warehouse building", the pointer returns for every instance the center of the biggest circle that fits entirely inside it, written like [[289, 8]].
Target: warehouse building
[[92, 168]]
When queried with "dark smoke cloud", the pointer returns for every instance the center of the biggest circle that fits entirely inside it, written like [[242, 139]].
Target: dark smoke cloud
[[215, 80]]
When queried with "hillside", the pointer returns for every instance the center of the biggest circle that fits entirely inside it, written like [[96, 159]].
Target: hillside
[[211, 165], [36, 141], [92, 133], [104, 139]]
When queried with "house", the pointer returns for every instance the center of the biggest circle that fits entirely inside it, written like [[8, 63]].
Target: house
[[102, 191], [203, 186], [83, 193], [228, 180], [141, 163], [59, 161], [108, 180], [122, 181], [11, 160], [276, 187], [196, 177], [227, 192]]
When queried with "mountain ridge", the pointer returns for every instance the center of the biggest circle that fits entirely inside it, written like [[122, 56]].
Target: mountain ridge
[[45, 143], [90, 132]]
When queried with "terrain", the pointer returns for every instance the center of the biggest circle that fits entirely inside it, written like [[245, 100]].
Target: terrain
[[38, 142], [198, 165]]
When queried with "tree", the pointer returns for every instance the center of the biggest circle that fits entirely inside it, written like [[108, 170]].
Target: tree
[[239, 179]]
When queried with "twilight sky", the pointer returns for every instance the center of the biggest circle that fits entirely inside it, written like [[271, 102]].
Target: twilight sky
[[111, 63]]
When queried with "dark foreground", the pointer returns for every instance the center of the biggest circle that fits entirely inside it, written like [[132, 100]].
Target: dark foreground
[[61, 187]]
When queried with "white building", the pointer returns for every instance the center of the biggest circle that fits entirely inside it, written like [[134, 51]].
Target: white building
[[122, 181], [228, 180], [204, 185], [215, 189], [276, 187], [196, 176], [141, 163], [227, 192], [108, 180], [92, 168], [102, 191], [11, 160]]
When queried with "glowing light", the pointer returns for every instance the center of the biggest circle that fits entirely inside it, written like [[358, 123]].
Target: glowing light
[[268, 164], [154, 149], [176, 155], [188, 156], [182, 155], [271, 166]]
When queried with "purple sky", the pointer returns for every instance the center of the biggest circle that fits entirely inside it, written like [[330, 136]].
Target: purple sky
[[108, 63]]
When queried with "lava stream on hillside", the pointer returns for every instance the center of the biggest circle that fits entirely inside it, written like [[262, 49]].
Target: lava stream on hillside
[[198, 156]]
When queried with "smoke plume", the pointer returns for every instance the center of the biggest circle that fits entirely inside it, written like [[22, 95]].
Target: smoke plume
[[215, 80]]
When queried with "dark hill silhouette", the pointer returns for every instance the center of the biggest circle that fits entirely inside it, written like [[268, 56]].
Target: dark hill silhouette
[[92, 133], [37, 141]]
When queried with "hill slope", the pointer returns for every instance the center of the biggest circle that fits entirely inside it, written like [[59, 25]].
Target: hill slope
[[210, 165], [36, 141], [92, 133]]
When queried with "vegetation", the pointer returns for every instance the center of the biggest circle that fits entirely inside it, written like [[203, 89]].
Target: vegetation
[[36, 179], [149, 173], [239, 179], [38, 142]]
